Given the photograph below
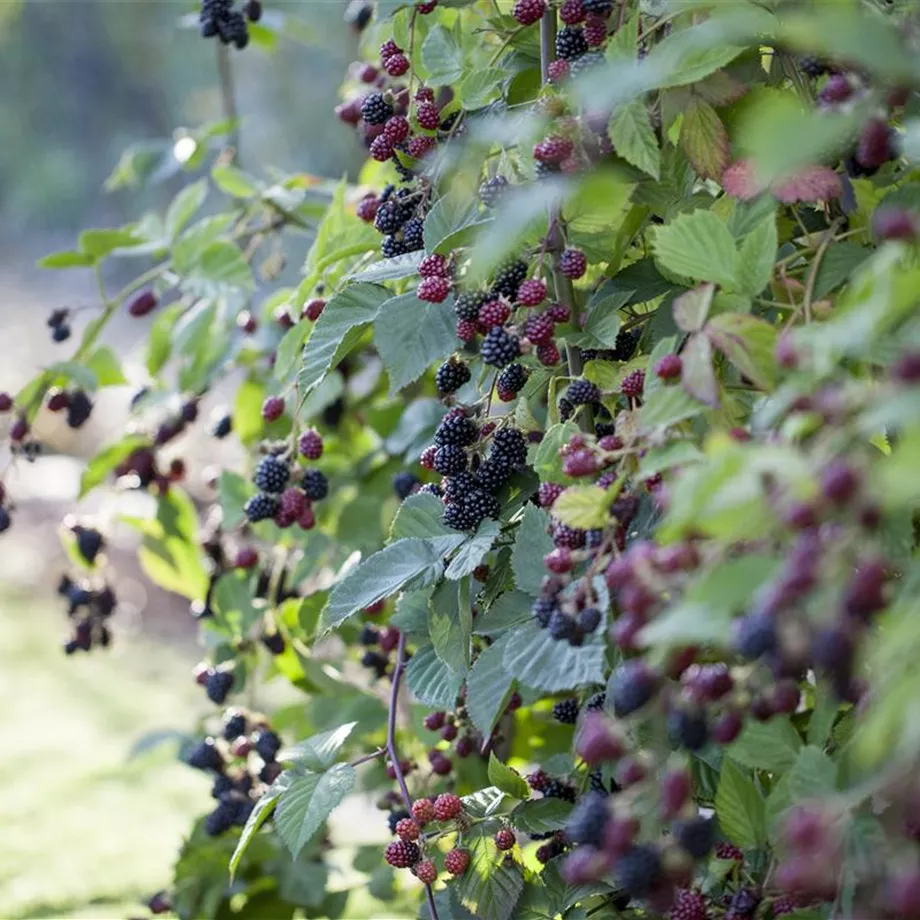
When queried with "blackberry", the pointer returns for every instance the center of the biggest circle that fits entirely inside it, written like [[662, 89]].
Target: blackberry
[[688, 729], [492, 475], [375, 662], [368, 635], [260, 507], [589, 619], [222, 786], [561, 625], [401, 854], [512, 379], [315, 485], [557, 789], [467, 304], [571, 537], [582, 392], [508, 278], [394, 817], [755, 635], [597, 7], [221, 819], [455, 487], [543, 609], [79, 409], [267, 745], [271, 475], [392, 246], [596, 703], [459, 517], [234, 726], [222, 427], [218, 686], [390, 217], [89, 543], [509, 447], [450, 459], [413, 238], [253, 10], [205, 756], [375, 110], [639, 870], [625, 346], [457, 430], [696, 836], [588, 821], [566, 711], [689, 905], [404, 484], [451, 376], [812, 67], [492, 190], [587, 61], [470, 510], [570, 43], [431, 488], [632, 686]]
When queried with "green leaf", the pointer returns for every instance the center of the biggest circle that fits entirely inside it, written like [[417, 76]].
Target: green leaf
[[289, 351], [410, 335], [430, 681], [667, 406], [183, 207], [686, 57], [584, 507], [220, 270], [704, 139], [488, 688], [490, 887], [699, 246], [632, 136], [100, 243], [233, 602], [234, 182], [421, 516], [473, 550], [698, 377], [506, 779], [534, 658], [691, 308], [411, 616], [739, 807], [187, 249], [307, 803], [403, 266], [159, 339], [541, 816], [825, 711], [67, 259], [511, 609], [450, 625], [480, 87], [531, 543], [101, 466], [603, 320], [338, 330], [442, 57], [772, 745], [813, 775], [377, 577], [547, 462], [233, 492], [748, 342], [106, 368], [758, 255], [257, 817], [677, 453], [452, 222], [318, 752]]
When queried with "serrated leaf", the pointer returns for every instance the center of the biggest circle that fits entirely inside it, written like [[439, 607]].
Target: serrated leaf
[[531, 543], [772, 745], [813, 775], [667, 406], [100, 243], [698, 377], [67, 259], [534, 658], [318, 752], [584, 507], [338, 330], [739, 807], [511, 609], [452, 222], [257, 817], [541, 816], [289, 351], [411, 616], [103, 463], [757, 257], [234, 182], [699, 246], [631, 134], [473, 550], [377, 577], [748, 342], [233, 493], [442, 57], [403, 266], [603, 321], [488, 688], [490, 887], [430, 681], [691, 308], [221, 269], [481, 87], [421, 516], [450, 625], [547, 463], [483, 803], [410, 335], [704, 139], [307, 803], [183, 207], [506, 779]]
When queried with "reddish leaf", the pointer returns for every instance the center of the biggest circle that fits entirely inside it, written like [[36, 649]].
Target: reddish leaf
[[704, 139], [814, 183], [720, 89]]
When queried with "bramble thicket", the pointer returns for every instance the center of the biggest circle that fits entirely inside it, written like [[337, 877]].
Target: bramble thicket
[[582, 484]]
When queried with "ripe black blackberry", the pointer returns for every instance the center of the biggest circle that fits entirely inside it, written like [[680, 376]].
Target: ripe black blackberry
[[587, 61], [509, 446], [597, 7], [218, 685], [222, 786], [571, 43], [221, 819], [234, 726], [413, 234], [688, 729], [596, 702], [375, 110], [625, 346], [467, 304], [588, 821], [456, 429], [392, 246], [404, 484], [271, 475], [205, 756], [79, 408], [695, 835], [543, 609], [557, 789], [455, 487], [260, 507], [491, 475], [89, 543], [582, 392], [512, 379], [459, 517], [451, 376], [375, 662], [499, 347], [589, 618], [450, 459], [368, 635], [222, 427], [315, 485], [470, 510], [639, 870], [267, 745], [390, 217], [755, 635], [566, 711], [253, 10], [566, 408], [561, 626], [632, 686], [394, 817], [491, 191], [812, 67], [508, 278]]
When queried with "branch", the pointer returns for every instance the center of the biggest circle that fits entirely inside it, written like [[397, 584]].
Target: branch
[[228, 99], [394, 753]]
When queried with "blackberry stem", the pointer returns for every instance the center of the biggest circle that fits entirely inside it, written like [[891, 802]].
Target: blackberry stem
[[228, 100]]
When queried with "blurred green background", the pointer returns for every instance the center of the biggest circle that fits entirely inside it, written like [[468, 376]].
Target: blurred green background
[[89, 829]]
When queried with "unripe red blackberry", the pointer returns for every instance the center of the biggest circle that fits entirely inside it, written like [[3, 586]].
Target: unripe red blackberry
[[902, 895], [426, 871], [548, 354], [548, 493], [876, 144], [388, 49], [895, 223], [456, 861], [449, 732], [142, 304], [668, 367], [466, 330], [401, 854], [837, 89], [408, 829], [573, 263], [494, 313], [572, 12], [689, 905], [633, 384], [311, 444], [446, 807], [57, 400], [19, 429], [839, 482], [440, 764], [426, 7], [729, 851], [381, 148], [419, 146], [539, 329], [6, 402], [531, 292], [367, 208], [396, 65], [553, 149], [349, 112], [423, 811], [433, 290], [314, 309], [428, 116], [557, 71], [434, 266], [527, 12], [246, 557], [595, 32], [581, 462]]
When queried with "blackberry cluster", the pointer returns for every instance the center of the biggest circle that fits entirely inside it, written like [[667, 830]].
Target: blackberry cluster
[[395, 217], [558, 789], [59, 324], [571, 43], [492, 190], [89, 610], [566, 711], [508, 278], [219, 19], [588, 821], [451, 376], [500, 347]]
